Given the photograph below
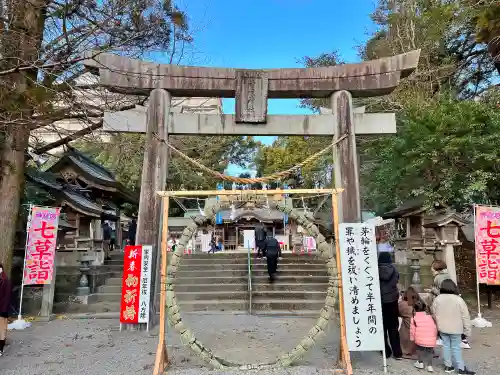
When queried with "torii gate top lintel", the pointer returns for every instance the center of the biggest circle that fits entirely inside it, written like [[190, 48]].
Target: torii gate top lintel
[[133, 76]]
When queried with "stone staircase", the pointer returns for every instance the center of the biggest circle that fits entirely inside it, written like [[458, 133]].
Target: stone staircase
[[219, 282]]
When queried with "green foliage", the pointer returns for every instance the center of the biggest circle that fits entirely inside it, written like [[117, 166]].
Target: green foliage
[[487, 21], [452, 61], [286, 152], [446, 150]]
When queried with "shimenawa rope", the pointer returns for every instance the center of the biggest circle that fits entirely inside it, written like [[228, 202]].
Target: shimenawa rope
[[242, 180]]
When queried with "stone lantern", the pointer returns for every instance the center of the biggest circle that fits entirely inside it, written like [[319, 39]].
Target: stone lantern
[[446, 226]]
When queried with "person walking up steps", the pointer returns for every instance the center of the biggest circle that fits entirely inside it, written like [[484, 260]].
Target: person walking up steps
[[423, 333], [453, 320], [271, 250]]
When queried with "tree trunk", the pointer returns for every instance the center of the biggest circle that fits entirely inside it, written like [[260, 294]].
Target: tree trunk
[[12, 158], [494, 49], [19, 46]]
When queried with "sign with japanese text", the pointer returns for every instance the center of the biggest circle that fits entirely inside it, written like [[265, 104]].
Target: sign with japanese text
[[218, 215], [487, 242], [136, 284], [41, 246], [361, 287]]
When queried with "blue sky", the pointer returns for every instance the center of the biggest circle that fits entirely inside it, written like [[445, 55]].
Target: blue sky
[[274, 34]]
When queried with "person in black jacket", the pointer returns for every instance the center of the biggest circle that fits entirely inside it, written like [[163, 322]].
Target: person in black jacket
[[260, 239], [271, 249], [132, 231], [389, 278]]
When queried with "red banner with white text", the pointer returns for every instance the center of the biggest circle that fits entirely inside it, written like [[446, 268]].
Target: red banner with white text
[[131, 285], [487, 241], [41, 245]]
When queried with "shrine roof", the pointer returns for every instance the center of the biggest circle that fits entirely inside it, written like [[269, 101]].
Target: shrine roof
[[257, 213], [414, 205], [444, 218], [72, 196], [46, 179], [93, 172]]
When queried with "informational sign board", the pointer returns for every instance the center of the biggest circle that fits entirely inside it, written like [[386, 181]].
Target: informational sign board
[[285, 216], [309, 243], [487, 242], [41, 245], [218, 215], [361, 287], [249, 238], [136, 284]]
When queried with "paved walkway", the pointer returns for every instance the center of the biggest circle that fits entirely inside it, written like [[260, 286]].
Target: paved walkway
[[97, 347]]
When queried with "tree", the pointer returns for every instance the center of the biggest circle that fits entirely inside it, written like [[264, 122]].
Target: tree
[[452, 60], [446, 151], [289, 151], [488, 26], [41, 44], [455, 65]]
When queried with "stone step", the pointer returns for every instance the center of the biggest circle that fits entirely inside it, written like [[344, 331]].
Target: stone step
[[236, 287], [281, 285], [240, 295], [258, 305], [216, 260], [257, 272], [114, 262], [291, 279], [114, 267], [269, 304], [243, 255], [244, 267]]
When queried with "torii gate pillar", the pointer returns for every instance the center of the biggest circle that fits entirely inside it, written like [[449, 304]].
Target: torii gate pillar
[[346, 170], [153, 179]]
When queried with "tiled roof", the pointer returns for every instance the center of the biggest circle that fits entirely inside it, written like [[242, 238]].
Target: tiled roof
[[48, 181], [94, 171], [258, 213]]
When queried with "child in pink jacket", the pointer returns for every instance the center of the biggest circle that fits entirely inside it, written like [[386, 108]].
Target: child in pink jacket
[[423, 332]]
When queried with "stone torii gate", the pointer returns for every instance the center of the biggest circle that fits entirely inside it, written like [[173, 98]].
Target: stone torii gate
[[251, 89]]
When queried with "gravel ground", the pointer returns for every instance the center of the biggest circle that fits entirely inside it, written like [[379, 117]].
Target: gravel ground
[[97, 347]]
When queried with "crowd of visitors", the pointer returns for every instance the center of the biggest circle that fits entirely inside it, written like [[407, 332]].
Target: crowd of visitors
[[445, 316]]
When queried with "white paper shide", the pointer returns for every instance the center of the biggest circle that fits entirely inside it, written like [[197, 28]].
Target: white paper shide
[[361, 287], [145, 288]]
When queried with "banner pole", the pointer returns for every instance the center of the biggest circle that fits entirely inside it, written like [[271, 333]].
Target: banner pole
[[474, 206], [345, 356], [28, 226], [384, 360]]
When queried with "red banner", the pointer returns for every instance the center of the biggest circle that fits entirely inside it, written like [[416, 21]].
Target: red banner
[[41, 245], [487, 239], [131, 285]]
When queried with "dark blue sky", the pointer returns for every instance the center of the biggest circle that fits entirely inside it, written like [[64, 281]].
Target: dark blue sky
[[274, 34]]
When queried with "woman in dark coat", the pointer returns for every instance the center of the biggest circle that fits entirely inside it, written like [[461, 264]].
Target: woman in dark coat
[[389, 278], [5, 294]]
